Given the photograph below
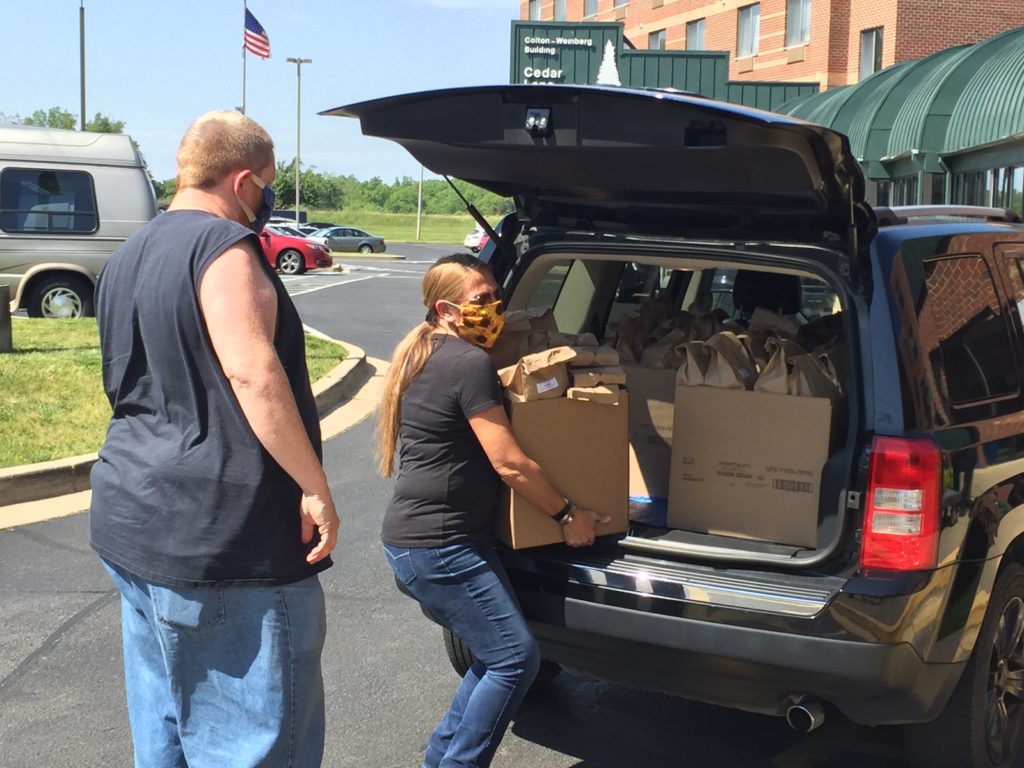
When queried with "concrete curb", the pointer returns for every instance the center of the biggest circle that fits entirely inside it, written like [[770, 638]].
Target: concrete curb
[[63, 476]]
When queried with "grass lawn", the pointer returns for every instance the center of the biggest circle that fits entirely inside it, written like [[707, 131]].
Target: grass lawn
[[53, 404], [401, 227]]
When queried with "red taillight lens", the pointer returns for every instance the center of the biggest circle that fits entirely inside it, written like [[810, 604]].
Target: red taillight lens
[[901, 517]]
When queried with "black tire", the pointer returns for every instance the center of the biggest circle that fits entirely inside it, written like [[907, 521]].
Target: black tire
[[982, 725], [63, 296], [461, 657], [366, 248], [291, 262]]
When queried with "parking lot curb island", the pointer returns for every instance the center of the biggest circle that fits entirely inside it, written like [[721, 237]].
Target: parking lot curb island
[[63, 476]]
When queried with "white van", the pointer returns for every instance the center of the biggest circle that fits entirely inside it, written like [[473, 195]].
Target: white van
[[67, 200]]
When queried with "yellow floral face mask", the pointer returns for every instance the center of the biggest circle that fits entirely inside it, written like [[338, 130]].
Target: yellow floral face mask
[[481, 324]]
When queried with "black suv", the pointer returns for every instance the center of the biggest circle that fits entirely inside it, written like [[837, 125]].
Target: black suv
[[909, 606]]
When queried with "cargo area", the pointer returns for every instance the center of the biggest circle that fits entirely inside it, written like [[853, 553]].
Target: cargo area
[[699, 401]]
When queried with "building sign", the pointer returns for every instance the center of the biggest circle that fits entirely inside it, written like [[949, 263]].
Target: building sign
[[571, 53]]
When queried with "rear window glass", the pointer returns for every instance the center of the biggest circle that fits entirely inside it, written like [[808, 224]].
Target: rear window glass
[[47, 201], [963, 333]]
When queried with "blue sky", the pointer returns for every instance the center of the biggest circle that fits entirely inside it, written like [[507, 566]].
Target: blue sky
[[157, 66]]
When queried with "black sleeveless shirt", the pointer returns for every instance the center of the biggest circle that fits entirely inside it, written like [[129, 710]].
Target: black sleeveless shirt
[[183, 493]]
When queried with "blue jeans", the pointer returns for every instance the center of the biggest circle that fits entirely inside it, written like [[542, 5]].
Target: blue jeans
[[465, 587], [219, 676]]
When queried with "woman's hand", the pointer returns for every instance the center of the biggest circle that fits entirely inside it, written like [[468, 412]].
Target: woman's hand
[[580, 532]]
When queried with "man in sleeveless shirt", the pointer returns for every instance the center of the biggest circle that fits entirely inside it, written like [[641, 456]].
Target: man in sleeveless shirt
[[210, 508]]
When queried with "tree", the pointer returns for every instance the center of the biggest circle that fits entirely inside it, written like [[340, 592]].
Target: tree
[[165, 190], [55, 117], [103, 124]]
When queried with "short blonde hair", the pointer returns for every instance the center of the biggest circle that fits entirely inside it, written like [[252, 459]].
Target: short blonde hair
[[218, 143]]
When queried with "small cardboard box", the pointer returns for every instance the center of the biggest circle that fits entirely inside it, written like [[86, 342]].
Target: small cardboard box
[[606, 395], [748, 464], [595, 377], [538, 376], [582, 448], [652, 392]]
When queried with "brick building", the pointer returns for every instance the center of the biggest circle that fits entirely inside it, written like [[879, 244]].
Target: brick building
[[828, 42]]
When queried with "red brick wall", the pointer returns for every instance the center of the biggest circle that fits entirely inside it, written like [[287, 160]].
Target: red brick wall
[[912, 29], [926, 26]]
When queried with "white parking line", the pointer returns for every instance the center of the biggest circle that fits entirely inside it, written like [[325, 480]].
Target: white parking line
[[333, 285]]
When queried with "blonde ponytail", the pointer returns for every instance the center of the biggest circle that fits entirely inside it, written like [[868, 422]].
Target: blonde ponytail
[[410, 356]]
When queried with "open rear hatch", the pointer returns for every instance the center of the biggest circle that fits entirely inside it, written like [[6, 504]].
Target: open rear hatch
[[642, 161]]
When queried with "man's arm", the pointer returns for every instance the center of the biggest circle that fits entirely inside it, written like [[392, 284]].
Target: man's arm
[[239, 305]]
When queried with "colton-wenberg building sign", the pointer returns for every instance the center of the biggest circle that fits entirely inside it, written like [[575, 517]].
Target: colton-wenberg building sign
[[598, 54]]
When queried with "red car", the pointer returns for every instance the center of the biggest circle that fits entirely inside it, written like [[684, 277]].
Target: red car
[[292, 254]]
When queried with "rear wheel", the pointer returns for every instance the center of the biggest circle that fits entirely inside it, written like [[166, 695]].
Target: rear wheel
[[982, 726], [291, 262], [365, 248], [63, 296], [461, 657]]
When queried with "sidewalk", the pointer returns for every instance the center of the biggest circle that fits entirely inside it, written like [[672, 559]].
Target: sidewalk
[[346, 395]]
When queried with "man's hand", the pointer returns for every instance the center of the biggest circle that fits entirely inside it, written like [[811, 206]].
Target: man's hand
[[317, 512]]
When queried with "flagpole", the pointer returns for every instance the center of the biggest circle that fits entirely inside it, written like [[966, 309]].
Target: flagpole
[[245, 8]]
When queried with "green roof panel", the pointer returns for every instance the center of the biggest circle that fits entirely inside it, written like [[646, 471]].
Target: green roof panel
[[991, 106]]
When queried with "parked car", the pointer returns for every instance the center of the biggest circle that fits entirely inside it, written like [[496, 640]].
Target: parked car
[[291, 254], [905, 602], [351, 239], [67, 200], [472, 240]]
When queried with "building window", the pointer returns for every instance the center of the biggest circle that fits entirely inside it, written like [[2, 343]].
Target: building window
[[870, 51], [695, 35], [34, 200], [534, 10], [621, 3], [656, 41], [590, 7], [748, 30], [559, 10], [798, 22]]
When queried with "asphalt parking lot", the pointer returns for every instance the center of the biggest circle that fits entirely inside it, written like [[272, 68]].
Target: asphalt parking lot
[[387, 677]]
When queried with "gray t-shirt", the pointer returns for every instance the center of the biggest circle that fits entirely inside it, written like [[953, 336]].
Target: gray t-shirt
[[446, 489]]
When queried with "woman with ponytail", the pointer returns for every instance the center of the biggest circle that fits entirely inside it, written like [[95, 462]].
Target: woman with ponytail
[[442, 412]]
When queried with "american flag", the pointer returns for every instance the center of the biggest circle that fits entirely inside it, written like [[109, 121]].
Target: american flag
[[256, 40]]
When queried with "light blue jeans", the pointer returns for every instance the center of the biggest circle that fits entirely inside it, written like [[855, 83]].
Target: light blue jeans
[[466, 588], [223, 676]]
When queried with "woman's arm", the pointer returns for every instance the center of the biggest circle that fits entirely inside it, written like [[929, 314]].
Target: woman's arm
[[523, 475]]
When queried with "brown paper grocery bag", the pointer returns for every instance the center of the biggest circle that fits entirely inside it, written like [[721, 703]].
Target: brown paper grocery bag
[[730, 366], [695, 356], [775, 375], [808, 378]]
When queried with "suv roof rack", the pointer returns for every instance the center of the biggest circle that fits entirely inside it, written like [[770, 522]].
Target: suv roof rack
[[902, 214]]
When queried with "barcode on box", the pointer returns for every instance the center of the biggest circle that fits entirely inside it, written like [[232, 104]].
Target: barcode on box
[[792, 485]]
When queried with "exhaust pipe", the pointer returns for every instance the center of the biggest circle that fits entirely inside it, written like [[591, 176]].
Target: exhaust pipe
[[805, 714]]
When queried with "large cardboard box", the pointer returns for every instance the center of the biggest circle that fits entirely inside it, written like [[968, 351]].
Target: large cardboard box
[[651, 394], [582, 448], [748, 464]]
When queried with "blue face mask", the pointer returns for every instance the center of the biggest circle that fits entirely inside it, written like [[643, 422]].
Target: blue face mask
[[259, 220]]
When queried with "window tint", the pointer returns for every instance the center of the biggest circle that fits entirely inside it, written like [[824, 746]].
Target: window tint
[[964, 333], [33, 200]]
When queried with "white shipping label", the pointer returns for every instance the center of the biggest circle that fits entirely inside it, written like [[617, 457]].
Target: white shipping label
[[547, 385]]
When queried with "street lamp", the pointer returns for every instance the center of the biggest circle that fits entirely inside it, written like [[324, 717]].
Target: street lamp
[[298, 123]]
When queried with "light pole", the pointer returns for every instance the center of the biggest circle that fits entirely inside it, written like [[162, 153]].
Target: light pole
[[298, 124]]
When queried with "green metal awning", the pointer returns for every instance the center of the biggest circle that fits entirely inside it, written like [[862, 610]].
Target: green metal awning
[[909, 117]]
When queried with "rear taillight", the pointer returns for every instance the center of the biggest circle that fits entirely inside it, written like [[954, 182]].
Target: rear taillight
[[901, 517]]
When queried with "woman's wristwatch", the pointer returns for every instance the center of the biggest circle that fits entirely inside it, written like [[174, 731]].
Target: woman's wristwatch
[[564, 515]]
